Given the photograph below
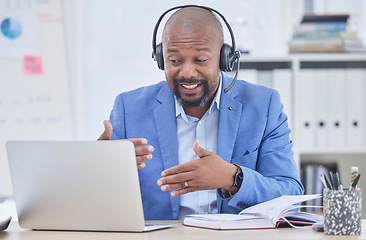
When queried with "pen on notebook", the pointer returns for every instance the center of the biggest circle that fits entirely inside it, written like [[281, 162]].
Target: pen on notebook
[[354, 184]]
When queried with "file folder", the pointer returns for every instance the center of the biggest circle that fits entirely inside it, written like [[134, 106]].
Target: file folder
[[265, 78], [249, 75], [306, 108], [364, 106], [337, 107], [282, 82], [321, 108], [355, 107]]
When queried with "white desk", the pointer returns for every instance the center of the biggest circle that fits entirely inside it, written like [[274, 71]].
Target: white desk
[[14, 232]]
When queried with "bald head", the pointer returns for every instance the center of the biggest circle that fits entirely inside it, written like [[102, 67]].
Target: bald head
[[190, 19]]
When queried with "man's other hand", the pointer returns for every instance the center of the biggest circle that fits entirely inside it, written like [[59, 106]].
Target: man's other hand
[[207, 172]]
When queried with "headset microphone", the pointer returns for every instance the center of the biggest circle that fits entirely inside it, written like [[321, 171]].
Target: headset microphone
[[237, 56], [228, 54]]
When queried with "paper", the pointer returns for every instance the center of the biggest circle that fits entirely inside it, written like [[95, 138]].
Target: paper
[[276, 206], [224, 217], [262, 215], [33, 65]]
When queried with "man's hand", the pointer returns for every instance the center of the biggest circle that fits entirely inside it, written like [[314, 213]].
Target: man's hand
[[108, 130], [208, 172], [143, 153]]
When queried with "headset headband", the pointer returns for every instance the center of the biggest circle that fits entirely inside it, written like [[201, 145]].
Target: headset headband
[[228, 54], [184, 6]]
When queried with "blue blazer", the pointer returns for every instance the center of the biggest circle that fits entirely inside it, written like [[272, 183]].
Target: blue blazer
[[253, 133]]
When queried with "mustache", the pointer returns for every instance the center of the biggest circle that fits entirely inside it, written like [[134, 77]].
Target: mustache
[[190, 80]]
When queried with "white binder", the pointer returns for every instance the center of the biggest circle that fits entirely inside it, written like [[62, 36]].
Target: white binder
[[355, 106], [337, 107], [364, 106], [265, 78], [321, 108], [282, 82], [249, 75], [307, 104]]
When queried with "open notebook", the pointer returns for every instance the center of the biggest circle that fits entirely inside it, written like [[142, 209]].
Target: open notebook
[[77, 185], [269, 214]]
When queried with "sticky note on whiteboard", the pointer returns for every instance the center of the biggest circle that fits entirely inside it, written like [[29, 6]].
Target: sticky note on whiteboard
[[33, 65]]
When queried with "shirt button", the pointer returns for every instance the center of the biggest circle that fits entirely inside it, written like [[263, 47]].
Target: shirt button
[[200, 123]]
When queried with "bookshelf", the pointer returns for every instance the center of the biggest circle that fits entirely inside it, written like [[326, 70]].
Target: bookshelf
[[342, 153]]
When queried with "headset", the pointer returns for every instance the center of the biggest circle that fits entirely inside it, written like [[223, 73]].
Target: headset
[[228, 54]]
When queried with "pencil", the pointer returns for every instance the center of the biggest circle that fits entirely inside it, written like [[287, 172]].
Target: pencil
[[354, 173]]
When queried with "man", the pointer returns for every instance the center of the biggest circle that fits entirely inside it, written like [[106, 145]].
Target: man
[[214, 151]]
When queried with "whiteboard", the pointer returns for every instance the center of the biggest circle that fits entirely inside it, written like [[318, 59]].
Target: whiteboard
[[34, 87]]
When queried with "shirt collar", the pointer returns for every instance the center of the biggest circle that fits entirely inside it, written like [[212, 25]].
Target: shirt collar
[[215, 103]]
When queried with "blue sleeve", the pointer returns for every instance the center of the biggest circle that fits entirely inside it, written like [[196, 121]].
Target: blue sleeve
[[276, 172]]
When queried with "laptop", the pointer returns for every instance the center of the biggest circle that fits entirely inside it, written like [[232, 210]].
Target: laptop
[[77, 185]]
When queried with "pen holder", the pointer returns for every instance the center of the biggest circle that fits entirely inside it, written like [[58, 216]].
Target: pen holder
[[342, 211]]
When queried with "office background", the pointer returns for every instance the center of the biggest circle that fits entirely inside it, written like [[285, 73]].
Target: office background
[[117, 44], [93, 50]]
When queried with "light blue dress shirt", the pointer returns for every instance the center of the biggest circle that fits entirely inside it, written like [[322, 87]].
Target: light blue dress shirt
[[190, 129]]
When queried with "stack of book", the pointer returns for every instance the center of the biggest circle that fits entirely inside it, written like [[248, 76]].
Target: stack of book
[[325, 33]]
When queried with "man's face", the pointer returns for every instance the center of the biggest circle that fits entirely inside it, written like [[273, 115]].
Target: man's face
[[191, 62]]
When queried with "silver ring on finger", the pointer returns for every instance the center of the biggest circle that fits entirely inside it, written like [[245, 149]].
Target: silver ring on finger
[[186, 184]]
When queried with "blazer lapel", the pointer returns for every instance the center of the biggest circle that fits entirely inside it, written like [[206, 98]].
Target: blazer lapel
[[229, 119], [166, 126]]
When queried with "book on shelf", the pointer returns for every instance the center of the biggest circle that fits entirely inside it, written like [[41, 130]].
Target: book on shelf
[[340, 44], [269, 214], [325, 33], [320, 27], [325, 18]]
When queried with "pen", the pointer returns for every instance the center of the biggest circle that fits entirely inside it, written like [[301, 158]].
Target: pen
[[335, 180], [327, 180], [322, 178], [338, 176], [354, 184], [331, 180]]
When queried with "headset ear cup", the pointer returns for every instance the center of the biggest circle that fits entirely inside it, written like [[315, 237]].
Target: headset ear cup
[[159, 56], [226, 63]]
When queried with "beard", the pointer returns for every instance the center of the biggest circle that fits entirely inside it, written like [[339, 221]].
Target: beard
[[192, 103]]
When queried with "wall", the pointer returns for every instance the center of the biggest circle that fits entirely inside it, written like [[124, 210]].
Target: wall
[[34, 89], [116, 48]]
